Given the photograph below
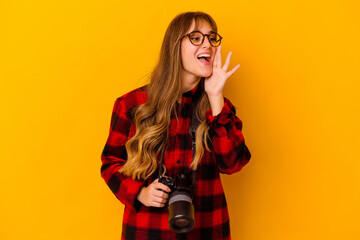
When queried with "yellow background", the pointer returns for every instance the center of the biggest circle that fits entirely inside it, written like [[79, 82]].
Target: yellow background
[[63, 64]]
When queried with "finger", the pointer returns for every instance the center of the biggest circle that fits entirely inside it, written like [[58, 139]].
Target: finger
[[158, 205], [227, 62], [162, 187], [161, 194], [218, 59], [160, 200], [233, 70]]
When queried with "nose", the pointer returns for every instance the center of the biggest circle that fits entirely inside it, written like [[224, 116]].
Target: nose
[[206, 42]]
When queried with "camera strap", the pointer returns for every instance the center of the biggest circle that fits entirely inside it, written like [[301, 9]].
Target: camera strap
[[193, 126], [192, 129]]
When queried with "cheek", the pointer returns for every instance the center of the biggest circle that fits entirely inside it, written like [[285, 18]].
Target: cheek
[[187, 57], [184, 55], [214, 51]]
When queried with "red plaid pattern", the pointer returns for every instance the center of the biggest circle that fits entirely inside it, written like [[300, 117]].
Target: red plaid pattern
[[229, 154]]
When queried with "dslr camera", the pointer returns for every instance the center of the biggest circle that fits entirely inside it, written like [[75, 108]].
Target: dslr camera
[[181, 212]]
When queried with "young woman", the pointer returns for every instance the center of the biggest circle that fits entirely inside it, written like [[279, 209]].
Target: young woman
[[150, 135]]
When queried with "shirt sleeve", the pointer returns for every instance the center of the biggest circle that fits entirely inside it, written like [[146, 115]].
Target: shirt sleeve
[[114, 157], [228, 142]]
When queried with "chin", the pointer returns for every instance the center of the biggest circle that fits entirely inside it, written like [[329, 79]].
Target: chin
[[206, 75]]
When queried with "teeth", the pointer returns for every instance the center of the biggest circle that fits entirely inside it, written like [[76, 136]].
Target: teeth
[[203, 55]]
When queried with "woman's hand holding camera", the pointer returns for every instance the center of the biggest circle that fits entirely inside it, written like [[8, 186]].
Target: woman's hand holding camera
[[155, 195]]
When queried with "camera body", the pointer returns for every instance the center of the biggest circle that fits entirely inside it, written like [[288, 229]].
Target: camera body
[[181, 211]]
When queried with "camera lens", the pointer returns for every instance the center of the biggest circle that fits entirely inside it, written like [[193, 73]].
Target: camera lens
[[181, 212], [182, 223]]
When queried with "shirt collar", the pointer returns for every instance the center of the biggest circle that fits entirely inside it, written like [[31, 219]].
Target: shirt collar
[[192, 92]]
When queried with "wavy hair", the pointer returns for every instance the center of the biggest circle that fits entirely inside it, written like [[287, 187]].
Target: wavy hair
[[152, 119]]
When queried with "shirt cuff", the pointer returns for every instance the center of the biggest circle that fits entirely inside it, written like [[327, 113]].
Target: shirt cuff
[[132, 193], [219, 121]]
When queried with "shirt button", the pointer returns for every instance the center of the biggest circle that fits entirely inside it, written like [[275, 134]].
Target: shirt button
[[178, 162]]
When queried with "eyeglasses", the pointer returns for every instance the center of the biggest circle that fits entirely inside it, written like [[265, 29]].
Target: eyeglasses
[[197, 38]]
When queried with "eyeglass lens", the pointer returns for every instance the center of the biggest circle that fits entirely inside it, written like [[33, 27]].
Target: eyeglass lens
[[197, 38]]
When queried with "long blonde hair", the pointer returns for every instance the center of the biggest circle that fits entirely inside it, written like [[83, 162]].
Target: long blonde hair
[[152, 119]]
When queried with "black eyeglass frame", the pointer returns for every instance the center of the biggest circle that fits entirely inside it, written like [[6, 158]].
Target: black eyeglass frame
[[204, 35]]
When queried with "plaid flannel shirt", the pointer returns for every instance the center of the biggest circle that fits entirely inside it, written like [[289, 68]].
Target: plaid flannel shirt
[[228, 155]]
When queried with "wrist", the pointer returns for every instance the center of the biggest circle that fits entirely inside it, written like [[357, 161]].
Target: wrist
[[139, 196], [216, 103], [215, 97]]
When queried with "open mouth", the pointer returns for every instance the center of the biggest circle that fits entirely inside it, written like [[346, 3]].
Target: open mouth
[[204, 58]]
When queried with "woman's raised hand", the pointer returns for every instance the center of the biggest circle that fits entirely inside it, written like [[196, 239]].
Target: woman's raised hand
[[214, 84], [152, 196]]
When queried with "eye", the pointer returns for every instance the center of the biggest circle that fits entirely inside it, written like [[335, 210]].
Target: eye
[[213, 37], [196, 37]]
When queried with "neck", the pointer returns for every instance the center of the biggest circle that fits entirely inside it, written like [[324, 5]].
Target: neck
[[189, 82]]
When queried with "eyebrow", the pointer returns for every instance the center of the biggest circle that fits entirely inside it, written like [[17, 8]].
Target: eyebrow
[[211, 31]]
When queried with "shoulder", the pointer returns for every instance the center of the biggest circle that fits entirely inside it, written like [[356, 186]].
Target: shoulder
[[127, 102], [134, 96]]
